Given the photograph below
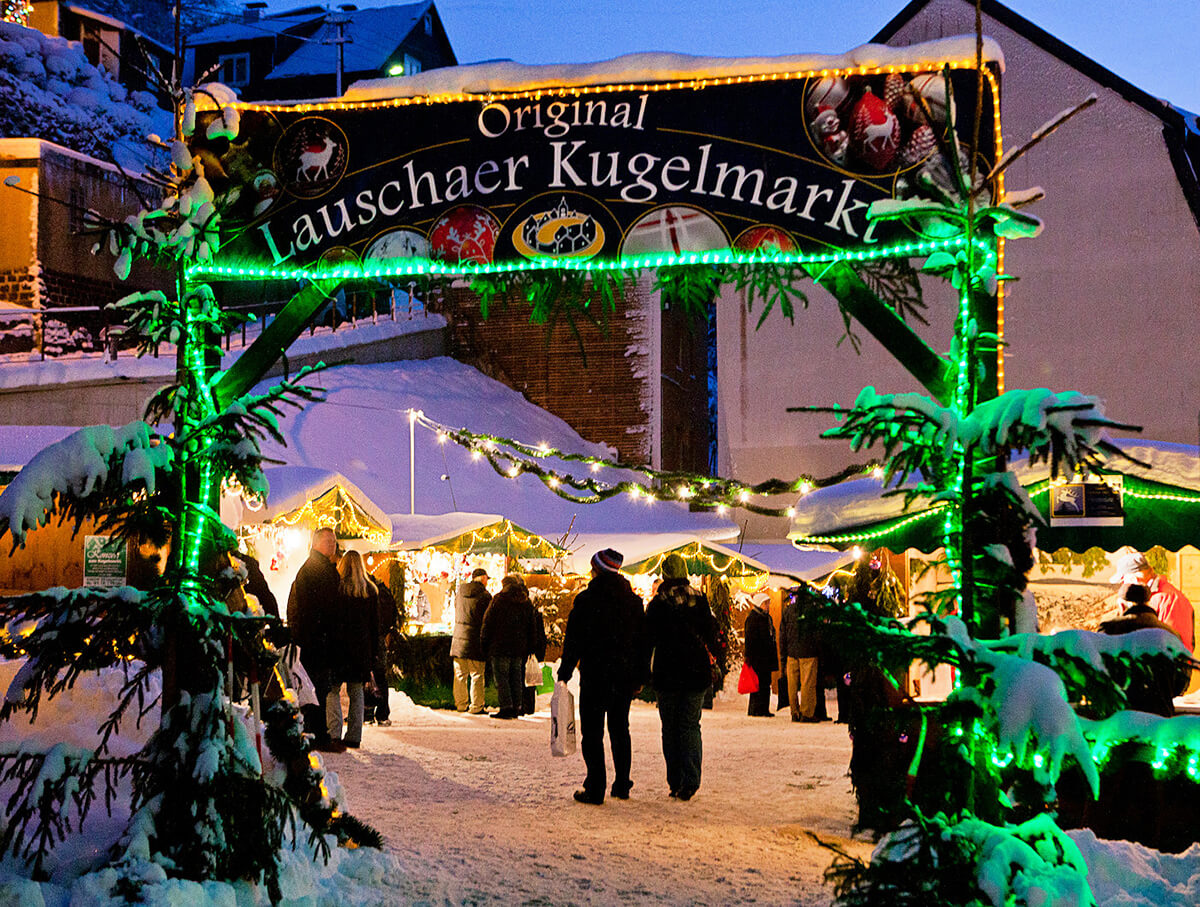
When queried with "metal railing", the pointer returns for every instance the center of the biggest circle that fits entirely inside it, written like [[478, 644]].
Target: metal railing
[[97, 332]]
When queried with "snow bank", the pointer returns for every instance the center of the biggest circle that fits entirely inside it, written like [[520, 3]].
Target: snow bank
[[1125, 874], [361, 431], [50, 90]]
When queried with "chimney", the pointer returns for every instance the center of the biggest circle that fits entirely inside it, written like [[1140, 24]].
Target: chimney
[[252, 12]]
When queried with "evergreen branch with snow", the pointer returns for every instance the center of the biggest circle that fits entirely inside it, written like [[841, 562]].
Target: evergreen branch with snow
[[49, 789], [99, 471], [64, 633], [1098, 669]]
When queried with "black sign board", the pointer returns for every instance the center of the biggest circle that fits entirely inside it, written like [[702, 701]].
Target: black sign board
[[1093, 503], [587, 174]]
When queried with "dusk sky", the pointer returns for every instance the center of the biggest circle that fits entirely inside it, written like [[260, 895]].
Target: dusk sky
[[1153, 43]]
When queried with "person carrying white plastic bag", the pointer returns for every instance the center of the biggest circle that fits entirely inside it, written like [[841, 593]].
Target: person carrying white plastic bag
[[562, 721]]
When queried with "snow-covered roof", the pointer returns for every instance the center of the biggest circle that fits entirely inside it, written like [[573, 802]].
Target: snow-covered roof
[[374, 35], [266, 26], [834, 509], [362, 432], [19, 443], [481, 78], [420, 530], [785, 559], [291, 487]]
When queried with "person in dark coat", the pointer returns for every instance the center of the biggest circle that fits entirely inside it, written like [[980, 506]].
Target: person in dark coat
[[313, 594], [352, 636], [606, 640], [762, 654], [538, 635], [470, 604], [1155, 694], [378, 711], [800, 646], [256, 583], [507, 638], [681, 633]]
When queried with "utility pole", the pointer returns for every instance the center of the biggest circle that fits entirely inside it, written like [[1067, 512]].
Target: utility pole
[[339, 20]]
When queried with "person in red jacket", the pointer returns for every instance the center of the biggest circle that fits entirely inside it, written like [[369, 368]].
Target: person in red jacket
[[1171, 605]]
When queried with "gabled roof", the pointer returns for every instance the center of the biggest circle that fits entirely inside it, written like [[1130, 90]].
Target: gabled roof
[[266, 27], [374, 35], [1181, 128], [151, 20]]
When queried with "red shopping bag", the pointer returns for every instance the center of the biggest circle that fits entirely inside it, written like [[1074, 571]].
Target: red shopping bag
[[747, 680]]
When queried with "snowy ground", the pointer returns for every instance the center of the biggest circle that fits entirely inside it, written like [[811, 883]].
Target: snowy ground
[[478, 812]]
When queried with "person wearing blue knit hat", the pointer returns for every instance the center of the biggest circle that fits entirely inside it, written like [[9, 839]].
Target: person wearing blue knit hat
[[606, 640]]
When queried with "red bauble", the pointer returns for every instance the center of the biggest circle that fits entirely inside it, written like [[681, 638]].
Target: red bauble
[[875, 132], [465, 233]]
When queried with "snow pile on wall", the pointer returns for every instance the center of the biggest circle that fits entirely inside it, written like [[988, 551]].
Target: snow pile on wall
[[482, 78], [49, 90]]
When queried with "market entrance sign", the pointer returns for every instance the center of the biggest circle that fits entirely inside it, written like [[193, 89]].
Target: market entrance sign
[[618, 175]]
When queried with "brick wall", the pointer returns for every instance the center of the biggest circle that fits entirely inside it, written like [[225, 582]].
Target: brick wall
[[19, 287], [608, 398]]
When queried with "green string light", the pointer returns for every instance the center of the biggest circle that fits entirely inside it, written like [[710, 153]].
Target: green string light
[[414, 267]]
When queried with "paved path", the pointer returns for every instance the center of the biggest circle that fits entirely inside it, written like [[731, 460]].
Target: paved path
[[480, 813]]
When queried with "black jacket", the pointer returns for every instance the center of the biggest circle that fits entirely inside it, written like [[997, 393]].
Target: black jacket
[[1151, 691], [353, 638], [681, 632], [310, 602], [470, 604], [508, 624], [797, 640], [606, 635], [759, 633]]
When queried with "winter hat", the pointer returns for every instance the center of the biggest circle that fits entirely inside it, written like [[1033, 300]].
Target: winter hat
[[674, 567], [1129, 565], [478, 572], [608, 560]]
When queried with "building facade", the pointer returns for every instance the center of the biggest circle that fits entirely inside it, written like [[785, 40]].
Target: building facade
[[1103, 299], [317, 53]]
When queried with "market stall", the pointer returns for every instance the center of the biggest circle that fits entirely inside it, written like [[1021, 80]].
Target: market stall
[[1150, 503], [278, 531]]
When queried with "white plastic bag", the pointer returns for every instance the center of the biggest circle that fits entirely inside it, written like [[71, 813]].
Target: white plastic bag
[[296, 678], [533, 672], [562, 721]]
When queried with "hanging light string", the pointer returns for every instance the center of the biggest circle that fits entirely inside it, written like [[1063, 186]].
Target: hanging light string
[[717, 563], [512, 458], [337, 510]]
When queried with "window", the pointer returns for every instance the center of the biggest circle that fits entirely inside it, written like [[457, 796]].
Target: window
[[412, 65], [428, 23], [235, 69]]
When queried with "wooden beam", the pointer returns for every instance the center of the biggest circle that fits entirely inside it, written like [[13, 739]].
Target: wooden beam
[[882, 322], [276, 337]]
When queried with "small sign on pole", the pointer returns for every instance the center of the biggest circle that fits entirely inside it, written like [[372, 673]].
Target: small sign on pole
[[103, 560]]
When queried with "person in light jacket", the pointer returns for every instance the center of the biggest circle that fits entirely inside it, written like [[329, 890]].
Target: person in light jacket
[[466, 650]]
